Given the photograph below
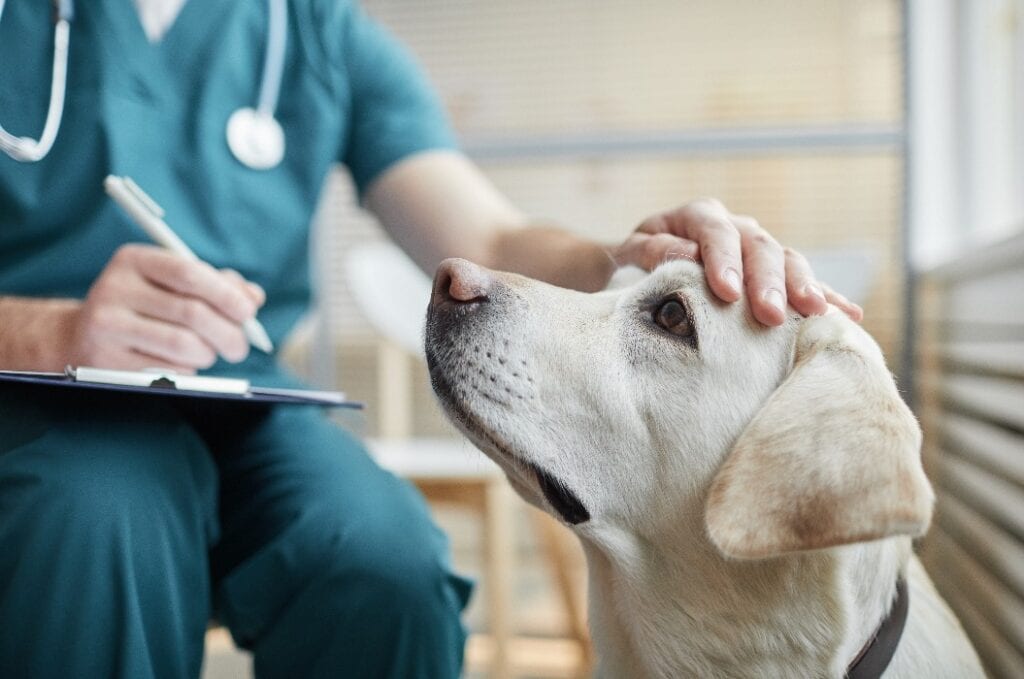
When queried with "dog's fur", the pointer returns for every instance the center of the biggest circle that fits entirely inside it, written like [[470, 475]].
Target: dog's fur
[[748, 494]]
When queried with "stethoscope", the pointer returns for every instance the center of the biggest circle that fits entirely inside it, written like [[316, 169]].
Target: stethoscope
[[254, 136]]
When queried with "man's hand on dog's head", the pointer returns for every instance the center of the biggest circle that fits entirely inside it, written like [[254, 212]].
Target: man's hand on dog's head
[[737, 252]]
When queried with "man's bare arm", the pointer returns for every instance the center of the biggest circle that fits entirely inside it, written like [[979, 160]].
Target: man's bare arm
[[438, 204]]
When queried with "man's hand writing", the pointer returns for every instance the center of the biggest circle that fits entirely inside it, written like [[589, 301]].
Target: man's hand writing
[[151, 308]]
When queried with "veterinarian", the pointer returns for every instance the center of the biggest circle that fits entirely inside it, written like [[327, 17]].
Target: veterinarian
[[124, 524]]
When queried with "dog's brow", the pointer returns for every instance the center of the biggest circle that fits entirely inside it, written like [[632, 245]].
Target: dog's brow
[[669, 278], [667, 287]]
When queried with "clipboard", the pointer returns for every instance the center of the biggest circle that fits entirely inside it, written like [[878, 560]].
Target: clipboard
[[162, 383]]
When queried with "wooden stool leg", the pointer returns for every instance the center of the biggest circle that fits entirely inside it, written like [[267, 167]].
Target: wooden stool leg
[[498, 572], [394, 391], [553, 536]]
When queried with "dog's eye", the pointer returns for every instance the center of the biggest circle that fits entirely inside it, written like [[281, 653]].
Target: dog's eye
[[671, 316]]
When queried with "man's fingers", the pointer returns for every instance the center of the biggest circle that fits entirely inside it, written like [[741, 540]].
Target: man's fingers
[[648, 250], [765, 267], [191, 278], [224, 336], [134, 360], [805, 293], [254, 291], [124, 358], [707, 222], [117, 331], [846, 306], [167, 342], [654, 224], [720, 250]]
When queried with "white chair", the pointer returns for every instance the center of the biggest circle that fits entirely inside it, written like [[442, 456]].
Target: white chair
[[849, 270]]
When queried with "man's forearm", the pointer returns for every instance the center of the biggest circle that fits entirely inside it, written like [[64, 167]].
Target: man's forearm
[[438, 204], [553, 255], [35, 333]]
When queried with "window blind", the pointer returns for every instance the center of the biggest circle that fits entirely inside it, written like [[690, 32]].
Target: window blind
[[972, 388]]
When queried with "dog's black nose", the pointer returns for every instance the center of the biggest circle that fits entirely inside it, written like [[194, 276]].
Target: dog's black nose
[[460, 282]]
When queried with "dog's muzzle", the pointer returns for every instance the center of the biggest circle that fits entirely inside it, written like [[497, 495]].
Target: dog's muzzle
[[456, 318], [461, 293]]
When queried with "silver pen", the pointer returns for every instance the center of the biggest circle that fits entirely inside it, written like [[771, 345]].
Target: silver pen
[[145, 212]]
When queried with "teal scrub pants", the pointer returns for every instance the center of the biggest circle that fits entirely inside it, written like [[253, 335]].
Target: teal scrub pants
[[126, 523]]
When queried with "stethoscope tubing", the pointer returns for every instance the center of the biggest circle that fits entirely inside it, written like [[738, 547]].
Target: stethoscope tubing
[[273, 60], [26, 149]]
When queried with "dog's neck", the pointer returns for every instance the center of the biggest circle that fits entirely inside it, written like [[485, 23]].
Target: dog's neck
[[678, 608]]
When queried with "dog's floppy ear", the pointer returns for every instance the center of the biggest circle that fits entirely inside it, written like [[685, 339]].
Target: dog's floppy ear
[[832, 458]]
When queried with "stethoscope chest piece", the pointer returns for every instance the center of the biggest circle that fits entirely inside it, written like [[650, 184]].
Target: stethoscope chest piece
[[255, 139]]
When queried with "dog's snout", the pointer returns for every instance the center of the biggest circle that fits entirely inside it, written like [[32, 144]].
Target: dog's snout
[[458, 281]]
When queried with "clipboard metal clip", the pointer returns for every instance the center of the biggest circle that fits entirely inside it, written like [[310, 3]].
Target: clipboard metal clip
[[158, 379]]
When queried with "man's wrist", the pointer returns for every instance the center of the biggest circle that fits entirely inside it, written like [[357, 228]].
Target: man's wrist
[[37, 334], [557, 256]]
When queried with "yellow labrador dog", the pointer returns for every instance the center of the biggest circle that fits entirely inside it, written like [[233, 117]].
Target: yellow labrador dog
[[746, 496]]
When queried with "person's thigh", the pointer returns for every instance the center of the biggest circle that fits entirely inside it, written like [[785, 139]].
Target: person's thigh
[[328, 565], [108, 509]]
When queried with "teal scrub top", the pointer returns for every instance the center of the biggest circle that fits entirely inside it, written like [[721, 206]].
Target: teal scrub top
[[157, 113]]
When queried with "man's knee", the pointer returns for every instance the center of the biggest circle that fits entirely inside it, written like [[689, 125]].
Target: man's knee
[[396, 554], [381, 601]]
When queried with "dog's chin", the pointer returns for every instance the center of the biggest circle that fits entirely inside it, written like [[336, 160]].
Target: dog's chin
[[561, 498]]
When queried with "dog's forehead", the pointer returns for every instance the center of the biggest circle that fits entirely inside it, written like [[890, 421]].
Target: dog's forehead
[[674, 275]]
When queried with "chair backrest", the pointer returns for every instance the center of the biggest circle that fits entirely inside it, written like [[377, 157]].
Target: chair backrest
[[390, 291]]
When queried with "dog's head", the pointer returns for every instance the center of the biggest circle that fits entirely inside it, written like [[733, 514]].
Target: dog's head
[[653, 400]]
